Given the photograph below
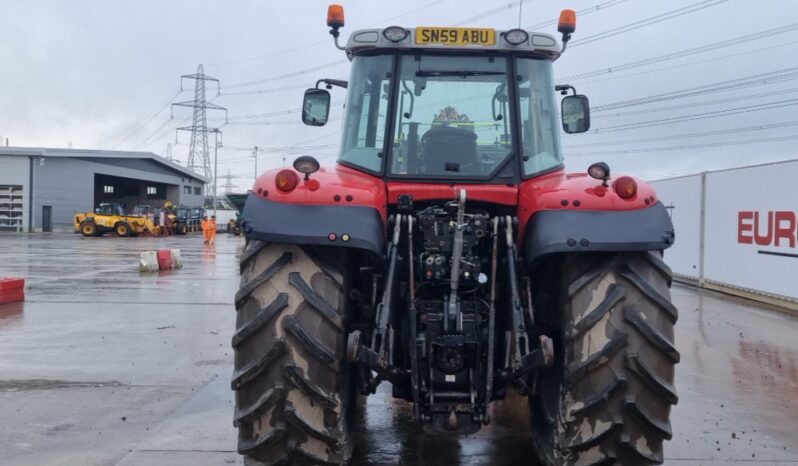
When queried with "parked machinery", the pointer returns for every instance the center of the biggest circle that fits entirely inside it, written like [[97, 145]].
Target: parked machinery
[[450, 254], [110, 218]]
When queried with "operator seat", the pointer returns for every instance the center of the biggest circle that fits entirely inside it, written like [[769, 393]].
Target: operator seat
[[445, 147]]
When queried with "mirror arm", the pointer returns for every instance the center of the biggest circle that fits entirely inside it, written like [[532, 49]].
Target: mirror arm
[[332, 82], [563, 89]]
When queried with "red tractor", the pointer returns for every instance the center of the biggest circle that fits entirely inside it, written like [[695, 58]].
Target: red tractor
[[449, 254]]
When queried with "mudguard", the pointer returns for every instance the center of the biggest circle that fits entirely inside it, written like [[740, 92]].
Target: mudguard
[[351, 226], [556, 231]]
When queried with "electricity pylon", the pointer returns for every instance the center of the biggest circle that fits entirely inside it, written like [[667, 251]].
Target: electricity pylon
[[199, 157]]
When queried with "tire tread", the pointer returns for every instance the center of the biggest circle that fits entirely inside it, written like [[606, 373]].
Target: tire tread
[[286, 367]]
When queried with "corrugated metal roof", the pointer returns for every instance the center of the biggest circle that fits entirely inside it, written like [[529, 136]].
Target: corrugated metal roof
[[89, 153]]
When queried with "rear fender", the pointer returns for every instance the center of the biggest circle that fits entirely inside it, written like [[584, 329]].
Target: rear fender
[[341, 207], [567, 213]]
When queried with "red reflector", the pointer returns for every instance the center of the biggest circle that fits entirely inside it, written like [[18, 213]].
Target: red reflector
[[313, 185], [286, 180], [626, 187]]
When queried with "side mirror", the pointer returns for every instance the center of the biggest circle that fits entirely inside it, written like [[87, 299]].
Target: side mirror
[[316, 107], [575, 112]]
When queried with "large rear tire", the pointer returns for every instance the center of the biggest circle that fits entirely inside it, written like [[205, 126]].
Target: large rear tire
[[294, 399], [609, 396]]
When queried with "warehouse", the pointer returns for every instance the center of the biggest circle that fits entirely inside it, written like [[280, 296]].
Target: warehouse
[[41, 189]]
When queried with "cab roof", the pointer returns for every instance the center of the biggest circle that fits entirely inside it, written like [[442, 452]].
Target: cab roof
[[373, 39]]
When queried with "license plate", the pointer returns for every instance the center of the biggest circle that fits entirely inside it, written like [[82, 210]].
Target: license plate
[[455, 36]]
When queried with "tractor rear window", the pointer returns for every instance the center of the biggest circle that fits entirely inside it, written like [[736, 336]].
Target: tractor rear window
[[452, 116]]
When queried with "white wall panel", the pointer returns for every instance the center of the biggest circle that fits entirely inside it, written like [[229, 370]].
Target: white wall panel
[[750, 227], [683, 198]]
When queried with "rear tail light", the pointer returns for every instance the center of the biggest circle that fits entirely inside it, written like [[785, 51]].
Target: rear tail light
[[286, 180], [626, 187]]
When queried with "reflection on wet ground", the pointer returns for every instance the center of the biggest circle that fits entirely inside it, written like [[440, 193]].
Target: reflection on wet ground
[[737, 382], [388, 435], [103, 366]]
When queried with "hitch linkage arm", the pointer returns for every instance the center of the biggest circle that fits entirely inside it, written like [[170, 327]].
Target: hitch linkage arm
[[519, 360], [378, 354]]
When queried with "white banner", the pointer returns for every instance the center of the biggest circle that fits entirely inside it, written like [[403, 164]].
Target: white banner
[[751, 228]]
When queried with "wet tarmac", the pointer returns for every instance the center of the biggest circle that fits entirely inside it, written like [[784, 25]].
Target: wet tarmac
[[104, 366]]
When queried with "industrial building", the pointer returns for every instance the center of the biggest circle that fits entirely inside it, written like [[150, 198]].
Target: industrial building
[[41, 189]]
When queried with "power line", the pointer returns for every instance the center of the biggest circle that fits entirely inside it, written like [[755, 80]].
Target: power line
[[153, 133], [689, 135], [491, 12], [279, 149], [272, 90], [291, 74], [656, 19], [300, 72], [705, 61], [408, 13], [313, 44], [140, 126], [692, 146], [685, 52], [288, 111], [699, 116], [580, 13], [306, 141], [701, 104], [662, 17], [265, 123], [770, 77]]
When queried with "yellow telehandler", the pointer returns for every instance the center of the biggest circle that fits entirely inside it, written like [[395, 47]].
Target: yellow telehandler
[[110, 217]]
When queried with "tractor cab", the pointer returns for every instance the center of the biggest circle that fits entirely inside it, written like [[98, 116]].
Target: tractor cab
[[465, 104]]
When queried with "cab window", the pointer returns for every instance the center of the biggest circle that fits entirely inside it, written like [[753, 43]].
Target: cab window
[[366, 112], [540, 131], [452, 117]]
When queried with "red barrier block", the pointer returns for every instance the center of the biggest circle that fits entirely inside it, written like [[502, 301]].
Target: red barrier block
[[11, 283], [12, 296], [12, 290], [165, 259]]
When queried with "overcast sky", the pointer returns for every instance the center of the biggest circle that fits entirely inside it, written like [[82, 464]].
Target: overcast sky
[[95, 73]]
